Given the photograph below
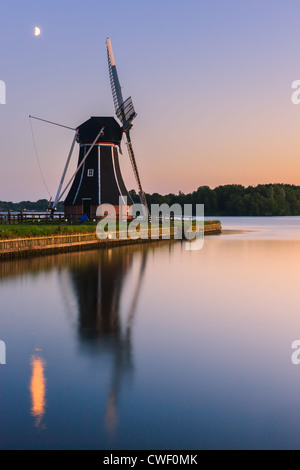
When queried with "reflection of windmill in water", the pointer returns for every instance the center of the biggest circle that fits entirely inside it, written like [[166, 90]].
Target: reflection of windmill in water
[[104, 327]]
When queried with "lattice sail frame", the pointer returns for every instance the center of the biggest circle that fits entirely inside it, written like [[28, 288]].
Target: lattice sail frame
[[125, 113]]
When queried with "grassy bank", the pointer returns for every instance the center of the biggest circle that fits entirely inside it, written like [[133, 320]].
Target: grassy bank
[[40, 230], [43, 230]]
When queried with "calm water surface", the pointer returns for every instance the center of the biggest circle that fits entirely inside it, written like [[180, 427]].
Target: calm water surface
[[154, 346]]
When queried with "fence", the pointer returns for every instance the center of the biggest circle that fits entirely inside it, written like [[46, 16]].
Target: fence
[[14, 217]]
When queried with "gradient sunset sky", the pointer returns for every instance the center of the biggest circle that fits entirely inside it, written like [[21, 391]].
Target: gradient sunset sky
[[210, 81]]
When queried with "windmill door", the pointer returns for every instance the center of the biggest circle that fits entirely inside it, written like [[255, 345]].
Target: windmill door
[[86, 207]]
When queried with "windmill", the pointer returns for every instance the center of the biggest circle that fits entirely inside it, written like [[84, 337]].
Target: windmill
[[125, 113], [98, 179]]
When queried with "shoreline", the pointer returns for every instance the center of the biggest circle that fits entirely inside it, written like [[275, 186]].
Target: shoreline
[[53, 244]]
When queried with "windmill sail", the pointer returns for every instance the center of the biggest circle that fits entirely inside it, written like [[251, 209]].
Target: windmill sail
[[125, 113], [135, 171]]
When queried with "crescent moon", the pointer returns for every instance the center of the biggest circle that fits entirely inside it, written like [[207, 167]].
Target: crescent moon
[[37, 31]]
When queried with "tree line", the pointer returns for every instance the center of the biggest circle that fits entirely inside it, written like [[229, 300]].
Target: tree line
[[236, 200], [230, 200], [39, 206]]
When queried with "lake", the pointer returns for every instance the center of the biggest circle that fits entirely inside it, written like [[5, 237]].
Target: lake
[[155, 347]]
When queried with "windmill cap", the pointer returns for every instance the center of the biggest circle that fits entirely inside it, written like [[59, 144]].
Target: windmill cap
[[88, 131]]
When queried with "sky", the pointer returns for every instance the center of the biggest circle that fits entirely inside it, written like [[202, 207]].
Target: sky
[[211, 82]]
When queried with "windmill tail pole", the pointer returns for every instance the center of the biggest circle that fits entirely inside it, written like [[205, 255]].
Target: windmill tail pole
[[135, 171], [55, 202]]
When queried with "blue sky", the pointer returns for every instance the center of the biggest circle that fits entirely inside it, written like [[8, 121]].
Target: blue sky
[[210, 81]]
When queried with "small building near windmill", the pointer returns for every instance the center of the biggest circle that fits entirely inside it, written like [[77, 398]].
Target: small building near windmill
[[99, 180]]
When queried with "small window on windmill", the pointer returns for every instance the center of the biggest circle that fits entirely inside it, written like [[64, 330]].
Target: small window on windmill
[[90, 172]]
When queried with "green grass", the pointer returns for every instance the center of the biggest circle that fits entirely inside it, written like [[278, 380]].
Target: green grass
[[36, 229]]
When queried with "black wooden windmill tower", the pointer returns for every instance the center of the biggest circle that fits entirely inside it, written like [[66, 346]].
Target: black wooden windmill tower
[[98, 179]]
